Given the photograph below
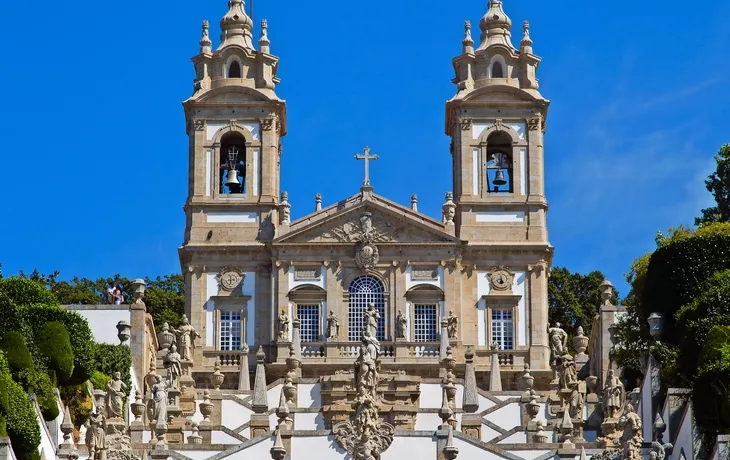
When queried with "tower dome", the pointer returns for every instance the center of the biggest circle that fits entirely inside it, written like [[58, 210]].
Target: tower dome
[[495, 26], [236, 26]]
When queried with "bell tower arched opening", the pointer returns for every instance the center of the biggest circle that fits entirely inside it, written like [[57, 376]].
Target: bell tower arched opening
[[500, 175], [232, 176]]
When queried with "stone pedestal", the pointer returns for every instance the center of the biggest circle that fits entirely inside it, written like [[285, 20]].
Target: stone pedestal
[[471, 426], [136, 432], [173, 407], [611, 434], [259, 425], [594, 409], [160, 452], [205, 429], [175, 433], [216, 417]]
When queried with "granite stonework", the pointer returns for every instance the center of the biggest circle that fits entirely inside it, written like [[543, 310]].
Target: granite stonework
[[367, 329]]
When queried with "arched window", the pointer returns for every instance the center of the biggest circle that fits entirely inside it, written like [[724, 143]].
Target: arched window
[[497, 70], [234, 70], [232, 159], [499, 163], [364, 291]]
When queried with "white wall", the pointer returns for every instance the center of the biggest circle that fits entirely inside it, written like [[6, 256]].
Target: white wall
[[519, 287], [103, 322]]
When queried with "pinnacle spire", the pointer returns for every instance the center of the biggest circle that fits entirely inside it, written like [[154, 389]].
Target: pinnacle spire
[[526, 43], [205, 43], [236, 26], [468, 43], [264, 41]]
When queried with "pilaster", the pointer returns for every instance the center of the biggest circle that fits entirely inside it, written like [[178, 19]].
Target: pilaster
[[538, 322]]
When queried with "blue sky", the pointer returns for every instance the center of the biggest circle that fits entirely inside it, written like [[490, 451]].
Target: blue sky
[[94, 151]]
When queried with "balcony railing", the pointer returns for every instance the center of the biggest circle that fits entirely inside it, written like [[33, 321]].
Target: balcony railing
[[389, 351]]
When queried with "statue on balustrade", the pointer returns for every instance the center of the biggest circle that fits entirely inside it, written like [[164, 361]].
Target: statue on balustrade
[[333, 326], [575, 401], [283, 326], [116, 391], [366, 373], [614, 396], [96, 436], [632, 439], [159, 402], [401, 325], [186, 339], [174, 368], [567, 373], [558, 343], [372, 316]]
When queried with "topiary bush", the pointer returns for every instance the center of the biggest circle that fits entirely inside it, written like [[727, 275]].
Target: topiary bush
[[23, 430], [11, 319], [5, 379], [16, 352], [677, 274], [25, 292], [81, 338], [54, 343], [99, 380]]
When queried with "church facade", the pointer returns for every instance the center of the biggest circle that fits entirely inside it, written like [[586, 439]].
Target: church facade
[[472, 277]]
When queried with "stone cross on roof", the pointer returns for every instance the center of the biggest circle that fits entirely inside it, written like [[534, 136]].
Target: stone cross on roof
[[367, 157]]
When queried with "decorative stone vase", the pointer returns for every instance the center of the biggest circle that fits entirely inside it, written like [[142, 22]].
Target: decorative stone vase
[[216, 379], [124, 332], [165, 338], [137, 406], [540, 437], [592, 383], [450, 391], [527, 380], [532, 408], [580, 342], [290, 390], [206, 407], [138, 288], [195, 438]]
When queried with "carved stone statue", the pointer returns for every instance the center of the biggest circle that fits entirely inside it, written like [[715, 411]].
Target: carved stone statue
[[96, 436], [186, 339], [372, 316], [159, 394], [558, 342], [632, 439], [453, 325], [614, 396], [575, 402], [333, 326], [283, 326], [366, 223], [116, 391], [567, 373], [174, 368], [401, 325], [366, 374]]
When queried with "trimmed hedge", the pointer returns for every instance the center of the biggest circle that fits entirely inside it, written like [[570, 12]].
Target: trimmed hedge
[[677, 274], [81, 338], [711, 394], [5, 379], [54, 343], [99, 380], [16, 351], [10, 316], [23, 430]]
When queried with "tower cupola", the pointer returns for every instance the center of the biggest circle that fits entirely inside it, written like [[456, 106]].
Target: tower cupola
[[236, 26], [495, 26]]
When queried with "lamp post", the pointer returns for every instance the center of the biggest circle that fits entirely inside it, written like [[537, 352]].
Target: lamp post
[[656, 325]]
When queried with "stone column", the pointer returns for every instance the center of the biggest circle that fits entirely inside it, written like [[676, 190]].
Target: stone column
[[138, 336], [539, 348]]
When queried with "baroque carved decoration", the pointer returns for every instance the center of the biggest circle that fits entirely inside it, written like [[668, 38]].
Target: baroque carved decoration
[[230, 278], [199, 125], [534, 123], [267, 124], [465, 124], [501, 279], [365, 436]]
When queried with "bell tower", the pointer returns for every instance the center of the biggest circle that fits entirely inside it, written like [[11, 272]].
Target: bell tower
[[496, 122], [235, 122]]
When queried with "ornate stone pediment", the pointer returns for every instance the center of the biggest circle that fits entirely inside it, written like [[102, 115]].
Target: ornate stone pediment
[[367, 227]]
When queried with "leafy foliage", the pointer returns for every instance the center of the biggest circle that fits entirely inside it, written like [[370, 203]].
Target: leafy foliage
[[114, 358], [23, 430], [79, 402], [165, 299], [99, 380], [5, 379], [25, 292], [54, 343], [574, 299], [718, 183]]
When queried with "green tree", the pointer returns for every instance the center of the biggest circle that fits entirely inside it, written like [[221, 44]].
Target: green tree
[[574, 299], [165, 299], [718, 183]]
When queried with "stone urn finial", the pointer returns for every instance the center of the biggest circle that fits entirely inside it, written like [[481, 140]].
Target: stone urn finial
[[206, 407], [138, 288], [124, 332], [137, 406], [165, 338], [216, 379], [527, 379], [580, 342], [195, 438]]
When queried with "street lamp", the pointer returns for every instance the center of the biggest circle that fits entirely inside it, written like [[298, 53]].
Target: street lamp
[[656, 325]]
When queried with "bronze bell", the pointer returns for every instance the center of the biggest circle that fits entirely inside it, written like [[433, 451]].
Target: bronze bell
[[232, 179], [499, 178]]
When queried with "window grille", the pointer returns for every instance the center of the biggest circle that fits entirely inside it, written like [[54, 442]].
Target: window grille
[[363, 291], [230, 331], [502, 329], [426, 324], [308, 322]]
